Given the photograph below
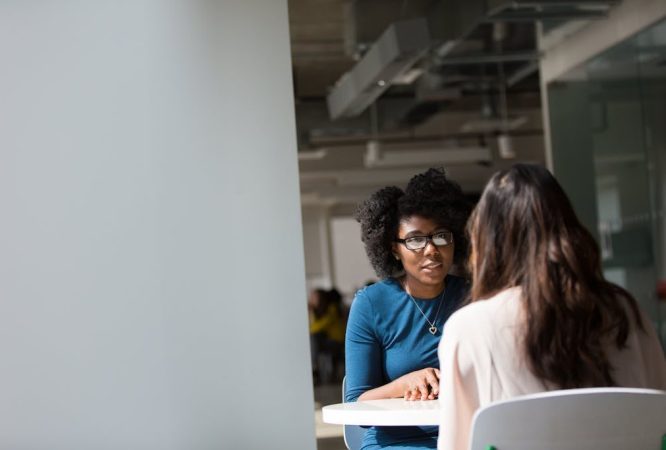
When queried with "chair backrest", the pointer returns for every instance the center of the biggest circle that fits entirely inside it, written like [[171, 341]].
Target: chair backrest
[[580, 419], [353, 434]]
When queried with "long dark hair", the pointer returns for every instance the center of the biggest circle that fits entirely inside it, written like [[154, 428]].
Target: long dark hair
[[524, 232]]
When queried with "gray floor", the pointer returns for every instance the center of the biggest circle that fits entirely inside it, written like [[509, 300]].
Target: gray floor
[[331, 444], [329, 437]]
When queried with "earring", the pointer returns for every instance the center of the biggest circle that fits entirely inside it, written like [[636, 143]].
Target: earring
[[396, 256]]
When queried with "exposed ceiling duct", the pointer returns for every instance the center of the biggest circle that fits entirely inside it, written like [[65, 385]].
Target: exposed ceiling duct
[[452, 22], [461, 38], [483, 125], [457, 88], [531, 10], [462, 43], [391, 56]]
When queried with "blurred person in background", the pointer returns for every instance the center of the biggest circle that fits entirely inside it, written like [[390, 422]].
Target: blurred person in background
[[412, 239], [327, 334], [542, 317]]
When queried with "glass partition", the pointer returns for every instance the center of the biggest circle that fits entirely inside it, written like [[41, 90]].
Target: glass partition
[[608, 134]]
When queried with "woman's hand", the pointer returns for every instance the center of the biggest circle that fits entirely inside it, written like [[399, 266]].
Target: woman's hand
[[421, 384], [418, 385]]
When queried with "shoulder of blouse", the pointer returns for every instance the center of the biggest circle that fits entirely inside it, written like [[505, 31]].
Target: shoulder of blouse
[[485, 308]]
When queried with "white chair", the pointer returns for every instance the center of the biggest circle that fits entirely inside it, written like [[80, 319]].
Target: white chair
[[575, 419], [352, 434]]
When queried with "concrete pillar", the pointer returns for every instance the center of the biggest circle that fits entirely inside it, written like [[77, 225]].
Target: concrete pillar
[[151, 259]]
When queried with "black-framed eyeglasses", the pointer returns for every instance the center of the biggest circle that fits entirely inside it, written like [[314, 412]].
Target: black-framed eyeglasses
[[440, 239]]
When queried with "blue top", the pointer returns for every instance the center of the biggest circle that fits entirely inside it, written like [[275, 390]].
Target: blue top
[[388, 337]]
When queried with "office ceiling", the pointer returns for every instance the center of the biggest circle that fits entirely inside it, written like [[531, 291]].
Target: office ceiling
[[475, 80]]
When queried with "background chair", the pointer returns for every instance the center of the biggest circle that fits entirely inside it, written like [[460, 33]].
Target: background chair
[[580, 419], [353, 434]]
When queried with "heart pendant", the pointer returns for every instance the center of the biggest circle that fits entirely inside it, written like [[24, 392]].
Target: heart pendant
[[433, 330]]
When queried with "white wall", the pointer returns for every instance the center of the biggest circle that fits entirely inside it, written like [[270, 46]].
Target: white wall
[[352, 267], [334, 253], [319, 272], [151, 261]]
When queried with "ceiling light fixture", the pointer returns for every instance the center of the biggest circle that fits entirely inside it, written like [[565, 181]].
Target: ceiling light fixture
[[313, 155], [423, 154]]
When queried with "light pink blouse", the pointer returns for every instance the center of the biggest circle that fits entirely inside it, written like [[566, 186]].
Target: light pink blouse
[[480, 362]]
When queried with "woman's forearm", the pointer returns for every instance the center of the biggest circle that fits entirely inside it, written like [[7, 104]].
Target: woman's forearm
[[421, 384], [389, 390]]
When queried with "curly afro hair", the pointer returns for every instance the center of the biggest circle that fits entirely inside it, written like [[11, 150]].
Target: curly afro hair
[[430, 195]]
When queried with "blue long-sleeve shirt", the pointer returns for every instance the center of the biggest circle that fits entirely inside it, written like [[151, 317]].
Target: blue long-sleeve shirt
[[388, 337]]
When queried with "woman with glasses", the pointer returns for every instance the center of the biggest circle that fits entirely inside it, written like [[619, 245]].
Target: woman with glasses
[[412, 238], [542, 315]]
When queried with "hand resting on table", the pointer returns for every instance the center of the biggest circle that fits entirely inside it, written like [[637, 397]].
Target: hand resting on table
[[421, 385], [418, 385]]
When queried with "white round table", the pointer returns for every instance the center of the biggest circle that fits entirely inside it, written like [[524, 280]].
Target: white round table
[[389, 412]]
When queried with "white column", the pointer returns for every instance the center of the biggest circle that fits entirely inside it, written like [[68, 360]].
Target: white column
[[151, 260]]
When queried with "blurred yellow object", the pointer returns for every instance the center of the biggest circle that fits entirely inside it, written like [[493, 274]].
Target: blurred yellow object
[[330, 323]]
